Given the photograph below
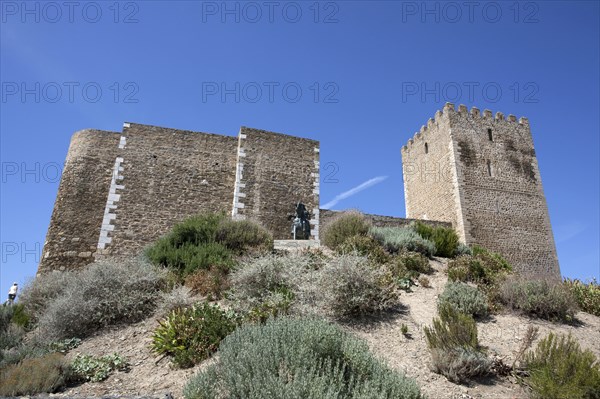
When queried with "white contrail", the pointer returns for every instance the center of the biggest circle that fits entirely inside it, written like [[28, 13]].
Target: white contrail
[[355, 190]]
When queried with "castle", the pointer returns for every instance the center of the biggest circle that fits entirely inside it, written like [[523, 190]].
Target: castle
[[119, 192]]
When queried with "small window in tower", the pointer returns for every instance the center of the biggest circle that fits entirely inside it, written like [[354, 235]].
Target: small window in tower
[[426, 148], [490, 136], [489, 168]]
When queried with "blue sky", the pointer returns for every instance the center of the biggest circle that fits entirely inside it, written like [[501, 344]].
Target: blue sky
[[359, 76]]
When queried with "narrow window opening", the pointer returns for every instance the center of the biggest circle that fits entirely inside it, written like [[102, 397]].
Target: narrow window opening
[[490, 136], [426, 148], [489, 168]]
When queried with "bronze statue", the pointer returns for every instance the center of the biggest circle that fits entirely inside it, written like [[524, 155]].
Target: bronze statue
[[301, 223]]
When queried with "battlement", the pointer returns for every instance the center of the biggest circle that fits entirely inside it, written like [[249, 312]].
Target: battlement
[[478, 170], [474, 114]]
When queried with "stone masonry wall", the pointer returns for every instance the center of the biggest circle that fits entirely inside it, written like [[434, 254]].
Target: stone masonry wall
[[504, 206], [120, 192], [489, 187], [274, 172], [72, 237], [328, 215], [168, 175], [429, 174]]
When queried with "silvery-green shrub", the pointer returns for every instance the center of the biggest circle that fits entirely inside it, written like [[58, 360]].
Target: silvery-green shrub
[[396, 239], [297, 358]]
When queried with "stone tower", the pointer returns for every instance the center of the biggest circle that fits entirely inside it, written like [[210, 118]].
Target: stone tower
[[479, 172]]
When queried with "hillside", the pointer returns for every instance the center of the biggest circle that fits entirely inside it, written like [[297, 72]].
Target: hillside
[[501, 334]]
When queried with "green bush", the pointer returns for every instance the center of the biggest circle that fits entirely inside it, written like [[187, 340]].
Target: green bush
[[463, 249], [539, 298], [96, 369], [32, 376], [365, 246], [464, 298], [191, 245], [344, 226], [396, 239], [188, 257], [559, 369], [190, 335], [586, 295], [444, 238], [297, 358], [208, 241], [483, 267], [454, 347], [406, 267], [244, 236], [64, 345], [349, 286], [107, 292], [414, 261]]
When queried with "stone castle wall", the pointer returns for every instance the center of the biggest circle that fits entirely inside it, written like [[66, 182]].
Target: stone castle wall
[[379, 220], [275, 171], [72, 237], [496, 186], [429, 174], [168, 175], [121, 192]]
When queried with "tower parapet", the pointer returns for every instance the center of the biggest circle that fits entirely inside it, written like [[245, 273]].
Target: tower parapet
[[478, 171]]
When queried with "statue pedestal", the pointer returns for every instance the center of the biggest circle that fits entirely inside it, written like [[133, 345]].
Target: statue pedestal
[[291, 245]]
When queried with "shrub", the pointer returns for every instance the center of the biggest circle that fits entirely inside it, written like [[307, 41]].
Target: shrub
[[459, 364], [586, 295], [483, 267], [539, 298], [210, 283], [262, 287], [344, 226], [190, 335], [455, 350], [406, 267], [104, 293], [243, 236], [463, 249], [64, 345], [95, 369], [465, 299], [303, 358], [31, 376], [188, 257], [424, 282], [414, 261], [396, 239], [179, 297], [559, 369], [349, 286], [192, 244], [445, 239], [365, 246], [44, 289]]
